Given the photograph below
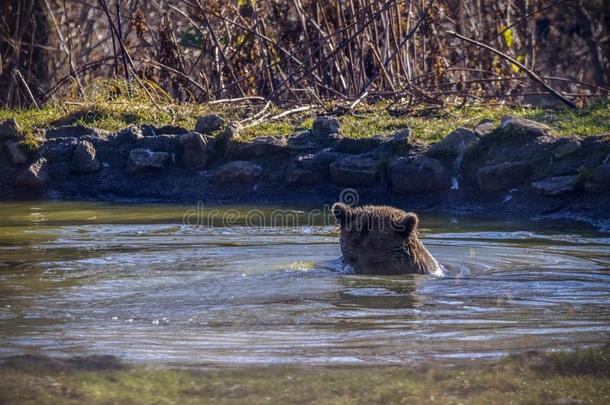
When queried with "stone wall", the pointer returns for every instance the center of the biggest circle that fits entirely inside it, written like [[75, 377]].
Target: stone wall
[[516, 167]]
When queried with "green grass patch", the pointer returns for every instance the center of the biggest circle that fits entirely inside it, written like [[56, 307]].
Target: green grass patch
[[112, 106], [530, 378], [433, 125]]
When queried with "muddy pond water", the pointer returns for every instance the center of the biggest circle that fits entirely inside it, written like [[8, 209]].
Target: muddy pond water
[[180, 285]]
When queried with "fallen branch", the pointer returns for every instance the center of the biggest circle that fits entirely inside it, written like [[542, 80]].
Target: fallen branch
[[236, 100], [289, 112], [257, 115], [529, 72], [266, 117]]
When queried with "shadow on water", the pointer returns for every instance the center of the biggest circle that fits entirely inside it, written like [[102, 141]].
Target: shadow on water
[[378, 292]]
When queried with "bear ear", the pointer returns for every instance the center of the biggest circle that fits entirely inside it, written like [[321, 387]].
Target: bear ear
[[406, 225], [341, 212]]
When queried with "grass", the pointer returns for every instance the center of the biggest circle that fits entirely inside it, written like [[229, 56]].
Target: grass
[[111, 106], [525, 379]]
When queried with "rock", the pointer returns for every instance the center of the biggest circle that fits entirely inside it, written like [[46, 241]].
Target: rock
[[39, 135], [566, 147], [567, 166], [84, 159], [160, 143], [238, 171], [128, 135], [145, 160], [402, 140], [232, 130], [58, 149], [74, 131], [306, 140], [595, 151], [206, 124], [358, 170], [171, 130], [599, 182], [499, 147], [461, 139], [301, 177], [9, 129], [263, 146], [319, 162], [518, 126], [418, 175], [151, 130], [15, 153], [324, 126], [195, 155], [556, 185], [502, 176], [34, 178], [358, 145], [225, 142], [301, 137], [484, 127], [148, 130], [403, 135], [303, 140]]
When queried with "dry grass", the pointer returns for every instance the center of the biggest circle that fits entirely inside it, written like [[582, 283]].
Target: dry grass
[[303, 51]]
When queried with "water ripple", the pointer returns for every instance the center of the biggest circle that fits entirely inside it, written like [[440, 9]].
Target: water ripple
[[176, 294]]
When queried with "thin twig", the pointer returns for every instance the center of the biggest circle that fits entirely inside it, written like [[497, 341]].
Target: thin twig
[[364, 90], [113, 33], [64, 47], [119, 30], [19, 76], [530, 73], [177, 72]]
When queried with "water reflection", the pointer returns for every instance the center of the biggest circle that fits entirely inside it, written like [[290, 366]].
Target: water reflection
[[379, 292]]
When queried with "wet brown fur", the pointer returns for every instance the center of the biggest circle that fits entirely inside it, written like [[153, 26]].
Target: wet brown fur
[[382, 240]]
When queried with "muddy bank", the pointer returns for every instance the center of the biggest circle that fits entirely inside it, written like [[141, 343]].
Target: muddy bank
[[516, 168], [535, 377]]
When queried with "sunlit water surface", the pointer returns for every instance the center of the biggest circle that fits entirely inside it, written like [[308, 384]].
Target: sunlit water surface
[[151, 284]]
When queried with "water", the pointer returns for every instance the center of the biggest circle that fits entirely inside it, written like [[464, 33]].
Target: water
[[457, 166], [136, 282]]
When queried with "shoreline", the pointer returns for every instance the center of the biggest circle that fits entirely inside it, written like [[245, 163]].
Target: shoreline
[[572, 377], [514, 169]]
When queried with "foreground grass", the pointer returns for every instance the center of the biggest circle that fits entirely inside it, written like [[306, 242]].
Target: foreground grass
[[533, 379], [111, 107]]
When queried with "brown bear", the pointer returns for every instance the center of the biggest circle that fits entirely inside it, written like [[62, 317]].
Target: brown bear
[[382, 240]]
